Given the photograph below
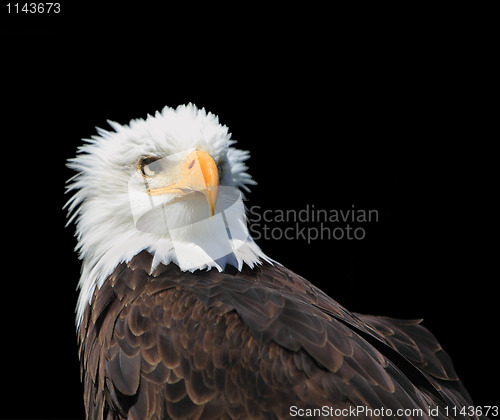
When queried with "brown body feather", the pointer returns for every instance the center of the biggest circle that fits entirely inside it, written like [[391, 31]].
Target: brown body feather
[[248, 345]]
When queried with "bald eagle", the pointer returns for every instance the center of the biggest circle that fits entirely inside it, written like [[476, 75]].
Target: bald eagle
[[182, 316]]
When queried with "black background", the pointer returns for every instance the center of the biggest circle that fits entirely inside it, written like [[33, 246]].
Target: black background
[[400, 125]]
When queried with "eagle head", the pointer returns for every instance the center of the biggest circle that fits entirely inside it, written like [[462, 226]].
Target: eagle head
[[170, 184]]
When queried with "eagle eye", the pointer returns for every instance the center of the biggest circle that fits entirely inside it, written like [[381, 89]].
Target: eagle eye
[[149, 166], [220, 170]]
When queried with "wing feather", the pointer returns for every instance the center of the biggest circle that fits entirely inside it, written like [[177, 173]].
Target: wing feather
[[249, 344]]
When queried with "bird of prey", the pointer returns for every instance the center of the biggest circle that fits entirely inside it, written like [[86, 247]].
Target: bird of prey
[[181, 315]]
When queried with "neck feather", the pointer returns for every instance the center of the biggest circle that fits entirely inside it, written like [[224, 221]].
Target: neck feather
[[227, 247]]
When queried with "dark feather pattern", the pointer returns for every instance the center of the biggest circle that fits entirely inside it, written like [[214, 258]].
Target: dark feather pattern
[[248, 345]]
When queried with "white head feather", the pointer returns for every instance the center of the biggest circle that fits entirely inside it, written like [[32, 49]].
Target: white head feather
[[107, 189]]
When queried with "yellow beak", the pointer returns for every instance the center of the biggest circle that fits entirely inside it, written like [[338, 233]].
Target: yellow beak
[[198, 174]]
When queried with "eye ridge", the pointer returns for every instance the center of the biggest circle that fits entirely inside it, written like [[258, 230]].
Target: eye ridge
[[146, 167]]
